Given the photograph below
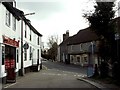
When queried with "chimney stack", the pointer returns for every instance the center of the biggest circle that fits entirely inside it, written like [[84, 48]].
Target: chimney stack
[[65, 36]]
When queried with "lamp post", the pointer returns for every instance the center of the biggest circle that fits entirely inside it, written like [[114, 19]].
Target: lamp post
[[22, 61]]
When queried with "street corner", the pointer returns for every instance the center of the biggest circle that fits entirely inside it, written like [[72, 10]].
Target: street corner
[[97, 85]]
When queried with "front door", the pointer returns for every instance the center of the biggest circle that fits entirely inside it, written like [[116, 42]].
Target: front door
[[10, 58]]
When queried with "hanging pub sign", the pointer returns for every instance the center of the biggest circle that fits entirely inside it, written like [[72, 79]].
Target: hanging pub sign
[[26, 46], [11, 42]]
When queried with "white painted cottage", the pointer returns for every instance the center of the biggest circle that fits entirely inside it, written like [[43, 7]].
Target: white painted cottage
[[16, 59]]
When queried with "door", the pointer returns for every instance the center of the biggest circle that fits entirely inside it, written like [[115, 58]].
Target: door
[[10, 63]]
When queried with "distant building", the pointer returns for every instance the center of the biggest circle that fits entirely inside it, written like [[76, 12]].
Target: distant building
[[62, 49], [80, 48]]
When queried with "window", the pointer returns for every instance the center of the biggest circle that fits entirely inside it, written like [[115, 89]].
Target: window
[[72, 59], [38, 41], [25, 31], [81, 47], [3, 55], [14, 23], [38, 55], [17, 56], [85, 59], [25, 54], [30, 53], [78, 59], [7, 18], [30, 35]]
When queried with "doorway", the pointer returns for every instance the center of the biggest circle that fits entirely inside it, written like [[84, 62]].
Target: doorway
[[10, 63]]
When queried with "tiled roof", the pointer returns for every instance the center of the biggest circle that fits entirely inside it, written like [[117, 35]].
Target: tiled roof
[[65, 42], [83, 36]]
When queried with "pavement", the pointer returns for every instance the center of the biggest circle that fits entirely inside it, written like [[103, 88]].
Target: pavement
[[96, 83], [19, 77], [100, 85]]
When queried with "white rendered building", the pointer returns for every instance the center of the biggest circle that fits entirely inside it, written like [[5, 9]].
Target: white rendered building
[[12, 23]]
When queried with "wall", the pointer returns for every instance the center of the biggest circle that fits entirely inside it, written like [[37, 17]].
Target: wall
[[34, 45], [9, 32], [79, 48], [83, 52]]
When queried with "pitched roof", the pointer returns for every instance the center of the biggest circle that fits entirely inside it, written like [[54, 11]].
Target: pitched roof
[[66, 41], [15, 12], [83, 36], [18, 14], [31, 27]]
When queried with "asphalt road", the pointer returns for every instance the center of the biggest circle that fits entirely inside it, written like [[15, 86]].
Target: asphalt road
[[56, 75]]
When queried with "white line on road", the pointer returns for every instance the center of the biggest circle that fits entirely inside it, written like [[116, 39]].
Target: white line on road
[[10, 85]]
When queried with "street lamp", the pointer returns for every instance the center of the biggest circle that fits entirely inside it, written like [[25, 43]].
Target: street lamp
[[22, 62], [29, 14]]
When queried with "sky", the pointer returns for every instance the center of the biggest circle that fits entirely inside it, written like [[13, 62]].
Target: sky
[[55, 17]]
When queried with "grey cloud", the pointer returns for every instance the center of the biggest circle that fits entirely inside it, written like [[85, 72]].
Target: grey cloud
[[43, 9]]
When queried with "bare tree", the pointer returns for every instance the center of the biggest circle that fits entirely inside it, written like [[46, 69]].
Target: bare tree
[[51, 40], [53, 45]]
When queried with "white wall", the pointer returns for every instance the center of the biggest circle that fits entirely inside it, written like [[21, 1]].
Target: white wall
[[9, 32], [33, 43]]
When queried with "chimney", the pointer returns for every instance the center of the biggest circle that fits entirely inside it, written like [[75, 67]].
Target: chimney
[[65, 36]]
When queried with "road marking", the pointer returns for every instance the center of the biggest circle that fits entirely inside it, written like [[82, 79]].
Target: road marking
[[10, 85]]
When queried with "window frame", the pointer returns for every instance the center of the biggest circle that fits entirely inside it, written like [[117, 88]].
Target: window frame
[[25, 31], [30, 53], [38, 40], [25, 55], [30, 35]]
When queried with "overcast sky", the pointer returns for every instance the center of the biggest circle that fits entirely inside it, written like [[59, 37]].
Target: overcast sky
[[55, 17]]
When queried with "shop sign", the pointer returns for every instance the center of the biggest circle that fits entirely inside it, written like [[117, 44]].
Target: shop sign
[[10, 41]]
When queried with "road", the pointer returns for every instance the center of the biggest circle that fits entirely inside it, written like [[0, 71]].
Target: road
[[56, 75]]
